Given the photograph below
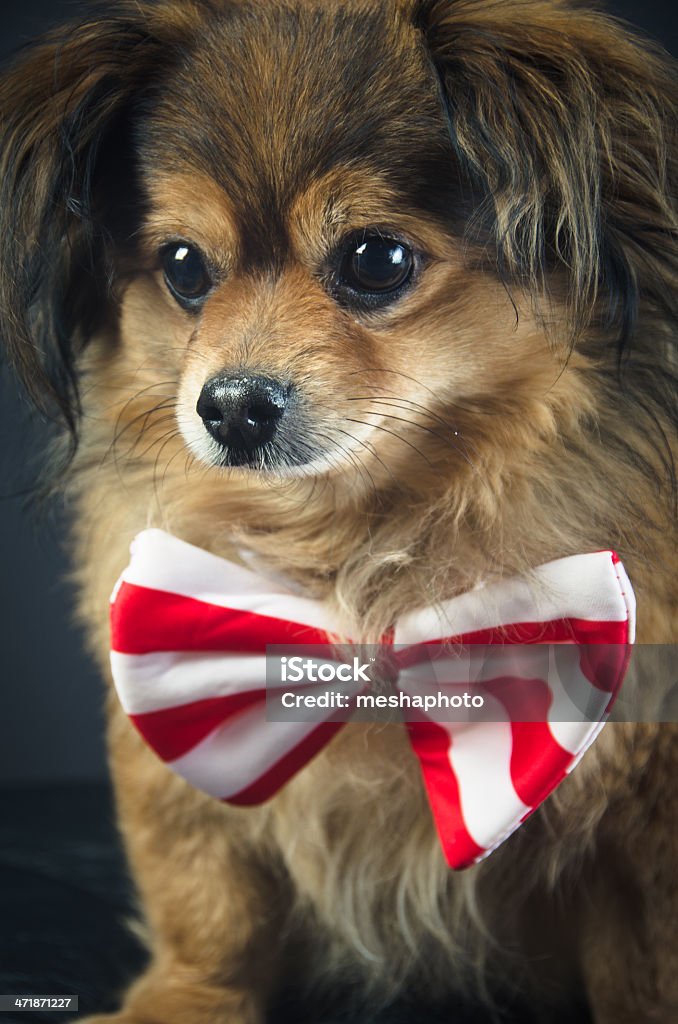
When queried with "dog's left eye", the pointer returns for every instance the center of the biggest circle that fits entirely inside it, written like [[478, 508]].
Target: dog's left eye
[[374, 267], [185, 272]]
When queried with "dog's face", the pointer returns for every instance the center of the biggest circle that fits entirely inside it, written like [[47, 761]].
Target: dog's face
[[394, 245], [301, 269], [298, 240]]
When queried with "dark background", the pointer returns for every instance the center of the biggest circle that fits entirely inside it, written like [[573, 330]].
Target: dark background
[[51, 726]]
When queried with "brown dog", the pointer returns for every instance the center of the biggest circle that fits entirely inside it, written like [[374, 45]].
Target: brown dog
[[448, 228]]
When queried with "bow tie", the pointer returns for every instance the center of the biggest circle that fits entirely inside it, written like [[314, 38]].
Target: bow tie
[[190, 633]]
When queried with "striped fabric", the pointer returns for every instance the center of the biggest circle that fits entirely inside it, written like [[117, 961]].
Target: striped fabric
[[189, 635]]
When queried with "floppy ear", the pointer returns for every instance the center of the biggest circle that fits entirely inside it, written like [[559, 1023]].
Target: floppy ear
[[564, 124], [67, 108]]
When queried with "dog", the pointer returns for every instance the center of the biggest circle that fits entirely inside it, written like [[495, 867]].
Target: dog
[[380, 297]]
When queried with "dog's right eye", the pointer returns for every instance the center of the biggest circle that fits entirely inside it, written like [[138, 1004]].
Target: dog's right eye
[[186, 274]]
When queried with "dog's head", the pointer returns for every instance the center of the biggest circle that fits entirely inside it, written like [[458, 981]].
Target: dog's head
[[377, 240]]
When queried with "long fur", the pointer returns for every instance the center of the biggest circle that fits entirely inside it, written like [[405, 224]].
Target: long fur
[[518, 404]]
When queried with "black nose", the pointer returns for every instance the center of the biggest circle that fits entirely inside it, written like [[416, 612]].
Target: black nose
[[242, 412]]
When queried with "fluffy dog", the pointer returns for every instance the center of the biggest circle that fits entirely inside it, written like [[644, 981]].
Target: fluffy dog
[[429, 247]]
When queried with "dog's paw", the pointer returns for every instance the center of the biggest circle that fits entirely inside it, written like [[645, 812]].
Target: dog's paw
[[182, 1012], [129, 1017], [111, 1018], [122, 1017]]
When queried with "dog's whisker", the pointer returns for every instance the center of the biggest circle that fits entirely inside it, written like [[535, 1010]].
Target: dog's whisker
[[117, 387], [410, 422], [416, 406], [142, 455], [399, 437], [170, 461], [145, 416], [393, 398], [356, 462], [449, 443], [136, 397], [414, 380], [169, 437], [373, 452]]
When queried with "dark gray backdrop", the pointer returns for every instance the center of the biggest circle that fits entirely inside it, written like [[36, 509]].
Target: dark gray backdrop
[[51, 727]]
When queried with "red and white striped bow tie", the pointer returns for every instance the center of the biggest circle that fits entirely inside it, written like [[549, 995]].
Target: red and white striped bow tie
[[189, 638]]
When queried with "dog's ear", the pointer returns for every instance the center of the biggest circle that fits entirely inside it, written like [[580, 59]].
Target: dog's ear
[[66, 109], [564, 126]]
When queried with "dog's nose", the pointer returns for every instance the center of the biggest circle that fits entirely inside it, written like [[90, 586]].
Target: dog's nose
[[242, 412]]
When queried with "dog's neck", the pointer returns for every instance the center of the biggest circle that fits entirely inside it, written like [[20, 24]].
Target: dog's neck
[[375, 555]]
